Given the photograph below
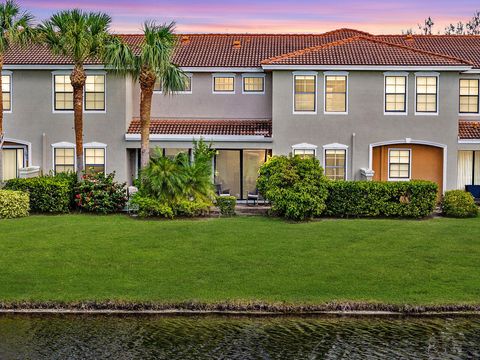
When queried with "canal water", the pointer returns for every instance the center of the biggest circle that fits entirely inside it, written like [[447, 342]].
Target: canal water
[[237, 337]]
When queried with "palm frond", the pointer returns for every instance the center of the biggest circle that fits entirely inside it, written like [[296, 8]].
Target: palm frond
[[15, 25]]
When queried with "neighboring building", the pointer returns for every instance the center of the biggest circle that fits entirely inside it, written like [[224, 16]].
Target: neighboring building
[[389, 107]]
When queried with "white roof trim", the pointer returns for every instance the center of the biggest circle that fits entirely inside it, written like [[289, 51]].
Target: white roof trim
[[335, 146], [63, 144], [469, 141], [367, 67], [304, 146], [50, 67], [191, 138], [221, 69]]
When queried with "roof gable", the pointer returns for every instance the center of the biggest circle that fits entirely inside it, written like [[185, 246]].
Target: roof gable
[[362, 50]]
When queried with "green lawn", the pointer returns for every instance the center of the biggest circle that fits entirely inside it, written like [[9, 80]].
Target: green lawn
[[79, 257]]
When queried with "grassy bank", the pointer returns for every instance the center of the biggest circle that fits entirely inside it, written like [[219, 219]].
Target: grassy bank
[[93, 258]]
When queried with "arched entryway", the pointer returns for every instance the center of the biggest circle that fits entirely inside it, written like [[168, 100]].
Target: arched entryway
[[15, 157], [409, 159]]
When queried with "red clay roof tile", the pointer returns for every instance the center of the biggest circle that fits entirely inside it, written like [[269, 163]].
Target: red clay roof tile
[[468, 129], [261, 127]]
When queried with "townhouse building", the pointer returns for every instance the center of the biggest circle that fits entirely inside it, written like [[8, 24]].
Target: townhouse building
[[379, 107]]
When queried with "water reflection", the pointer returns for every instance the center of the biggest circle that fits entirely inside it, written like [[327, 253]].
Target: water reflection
[[222, 337]]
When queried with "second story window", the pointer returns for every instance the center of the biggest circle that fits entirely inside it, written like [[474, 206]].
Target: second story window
[[426, 94], [224, 84], [187, 88], [158, 86], [253, 84], [395, 94], [95, 93], [468, 96], [305, 93], [7, 92], [63, 93], [335, 94]]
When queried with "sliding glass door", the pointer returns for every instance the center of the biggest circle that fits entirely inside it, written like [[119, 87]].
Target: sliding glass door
[[13, 159], [468, 168], [236, 171]]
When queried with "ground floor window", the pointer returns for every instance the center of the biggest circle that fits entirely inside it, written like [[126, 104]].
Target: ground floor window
[[64, 160], [236, 171], [13, 159], [335, 164], [399, 164], [304, 153], [468, 168], [172, 152], [94, 160]]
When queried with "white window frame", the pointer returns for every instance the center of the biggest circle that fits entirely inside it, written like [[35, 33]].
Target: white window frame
[[336, 146], [64, 145], [96, 145], [395, 74], [253, 75], [189, 75], [304, 73], [427, 74], [478, 96], [305, 146], [9, 73], [335, 73], [224, 75], [409, 165], [88, 72]]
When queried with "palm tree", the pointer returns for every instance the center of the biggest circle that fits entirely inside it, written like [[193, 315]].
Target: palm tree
[[15, 29], [149, 63], [80, 36]]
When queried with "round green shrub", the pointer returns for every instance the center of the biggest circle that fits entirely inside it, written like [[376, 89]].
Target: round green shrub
[[296, 187], [149, 207], [14, 204], [226, 204], [459, 204]]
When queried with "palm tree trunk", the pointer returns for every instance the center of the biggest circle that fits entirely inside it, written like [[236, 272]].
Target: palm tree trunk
[[77, 78], [1, 121], [147, 83]]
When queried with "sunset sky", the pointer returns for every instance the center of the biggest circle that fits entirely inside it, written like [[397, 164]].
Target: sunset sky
[[272, 16]]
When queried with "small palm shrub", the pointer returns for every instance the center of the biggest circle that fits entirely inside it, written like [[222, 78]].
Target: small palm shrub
[[99, 193], [459, 204], [295, 187], [13, 204], [179, 184]]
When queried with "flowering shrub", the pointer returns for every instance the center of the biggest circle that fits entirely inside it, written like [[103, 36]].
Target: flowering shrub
[[100, 193]]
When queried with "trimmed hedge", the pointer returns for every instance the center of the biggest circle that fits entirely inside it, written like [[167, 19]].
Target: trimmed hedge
[[459, 204], [13, 204], [410, 199], [149, 207], [226, 204], [48, 194], [295, 187]]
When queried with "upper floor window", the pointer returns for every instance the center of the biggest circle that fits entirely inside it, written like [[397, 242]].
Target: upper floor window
[[187, 88], [224, 83], [158, 86], [335, 164], [426, 94], [95, 93], [395, 94], [253, 84], [468, 96], [95, 160], [335, 94], [64, 159], [7, 92], [399, 164], [63, 93], [305, 93]]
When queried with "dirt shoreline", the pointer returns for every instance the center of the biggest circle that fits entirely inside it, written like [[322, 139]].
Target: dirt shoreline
[[235, 308]]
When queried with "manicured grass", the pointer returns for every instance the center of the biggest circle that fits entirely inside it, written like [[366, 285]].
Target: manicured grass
[[79, 257]]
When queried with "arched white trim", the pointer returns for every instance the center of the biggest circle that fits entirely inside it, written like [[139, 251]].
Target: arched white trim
[[94, 144], [63, 144], [335, 146], [412, 141], [27, 144]]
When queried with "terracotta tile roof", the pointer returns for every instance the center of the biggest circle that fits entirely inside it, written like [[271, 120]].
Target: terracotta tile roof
[[261, 127], [466, 47], [362, 50], [205, 50], [468, 129]]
